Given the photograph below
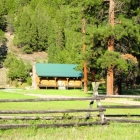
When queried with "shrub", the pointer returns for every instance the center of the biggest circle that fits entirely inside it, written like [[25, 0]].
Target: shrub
[[17, 68], [29, 81], [27, 49]]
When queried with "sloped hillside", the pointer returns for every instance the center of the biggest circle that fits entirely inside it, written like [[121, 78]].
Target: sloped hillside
[[9, 47], [37, 56]]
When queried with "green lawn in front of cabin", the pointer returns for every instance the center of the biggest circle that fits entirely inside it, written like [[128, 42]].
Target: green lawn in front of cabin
[[13, 95], [53, 105], [113, 131]]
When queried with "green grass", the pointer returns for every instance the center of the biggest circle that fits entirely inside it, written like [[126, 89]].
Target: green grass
[[77, 92], [45, 105], [54, 104], [113, 131], [13, 95]]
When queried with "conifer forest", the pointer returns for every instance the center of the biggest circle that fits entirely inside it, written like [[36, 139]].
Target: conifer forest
[[102, 35]]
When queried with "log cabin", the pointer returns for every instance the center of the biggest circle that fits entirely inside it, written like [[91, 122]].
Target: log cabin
[[58, 76]]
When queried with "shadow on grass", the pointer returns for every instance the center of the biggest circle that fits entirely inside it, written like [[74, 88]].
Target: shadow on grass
[[135, 91]]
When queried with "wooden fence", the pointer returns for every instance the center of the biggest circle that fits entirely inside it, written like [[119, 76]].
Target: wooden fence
[[125, 117], [107, 118], [5, 113], [103, 119]]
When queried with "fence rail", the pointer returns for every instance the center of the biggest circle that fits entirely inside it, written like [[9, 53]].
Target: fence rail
[[104, 119], [100, 120], [120, 107], [50, 111], [120, 96], [52, 99], [9, 126]]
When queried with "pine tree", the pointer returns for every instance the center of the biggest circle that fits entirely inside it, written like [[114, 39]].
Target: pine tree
[[23, 32]]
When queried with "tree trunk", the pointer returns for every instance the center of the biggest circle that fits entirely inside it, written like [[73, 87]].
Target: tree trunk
[[84, 49], [118, 87], [85, 73], [110, 77], [93, 75], [111, 12]]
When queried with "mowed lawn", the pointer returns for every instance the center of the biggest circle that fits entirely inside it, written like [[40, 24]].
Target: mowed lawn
[[113, 131], [54, 105]]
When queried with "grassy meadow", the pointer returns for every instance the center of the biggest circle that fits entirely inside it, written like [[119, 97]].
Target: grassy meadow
[[113, 131]]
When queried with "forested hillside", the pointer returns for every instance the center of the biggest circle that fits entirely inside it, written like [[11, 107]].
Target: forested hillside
[[63, 27]]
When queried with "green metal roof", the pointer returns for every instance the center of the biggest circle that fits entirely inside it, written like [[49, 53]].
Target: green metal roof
[[57, 70]]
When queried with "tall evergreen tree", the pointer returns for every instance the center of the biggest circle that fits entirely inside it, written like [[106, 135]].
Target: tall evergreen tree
[[23, 31], [56, 26], [125, 29], [39, 29], [2, 22]]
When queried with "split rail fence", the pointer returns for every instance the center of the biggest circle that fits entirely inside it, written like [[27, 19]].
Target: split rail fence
[[6, 113], [121, 117], [95, 98]]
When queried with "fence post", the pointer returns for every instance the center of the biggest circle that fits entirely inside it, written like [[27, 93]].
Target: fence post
[[95, 86], [101, 113]]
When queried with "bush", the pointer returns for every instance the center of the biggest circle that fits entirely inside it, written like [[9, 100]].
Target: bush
[[27, 49], [29, 81], [17, 68], [16, 84]]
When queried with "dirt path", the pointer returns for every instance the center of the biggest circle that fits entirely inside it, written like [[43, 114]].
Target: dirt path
[[36, 95], [9, 42], [122, 101], [108, 100], [45, 96]]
